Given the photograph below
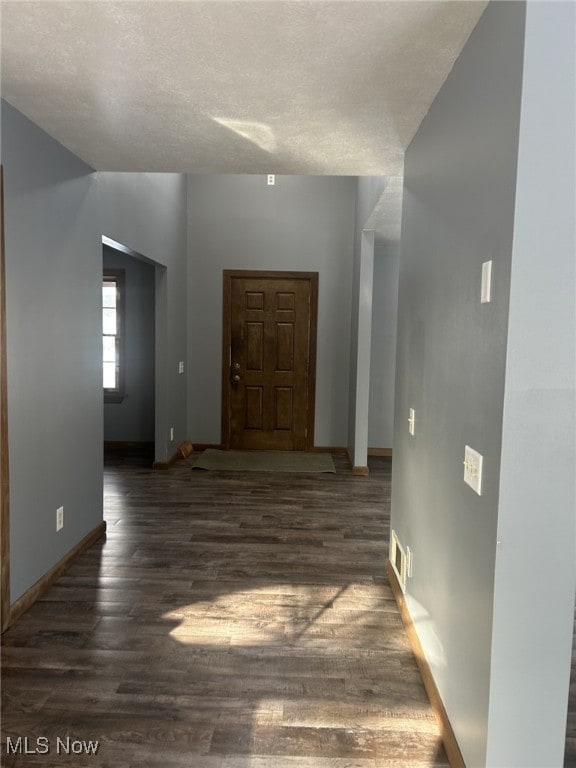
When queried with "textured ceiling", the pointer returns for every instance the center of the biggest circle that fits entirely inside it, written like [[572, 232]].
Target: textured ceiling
[[232, 87]]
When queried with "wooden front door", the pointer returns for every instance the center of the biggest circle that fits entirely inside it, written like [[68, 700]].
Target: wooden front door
[[269, 359]]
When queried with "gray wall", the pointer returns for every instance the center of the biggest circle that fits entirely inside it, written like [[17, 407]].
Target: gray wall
[[460, 180], [383, 350], [133, 419], [53, 270], [302, 223], [56, 212], [536, 556]]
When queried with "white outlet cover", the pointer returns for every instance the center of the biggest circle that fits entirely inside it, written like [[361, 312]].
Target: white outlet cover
[[473, 469], [181, 366], [59, 518], [271, 179]]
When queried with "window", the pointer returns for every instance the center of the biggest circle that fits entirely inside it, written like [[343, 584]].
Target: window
[[112, 335]]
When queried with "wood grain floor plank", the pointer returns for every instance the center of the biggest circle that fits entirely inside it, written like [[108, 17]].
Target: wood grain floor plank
[[325, 742], [570, 751], [227, 621]]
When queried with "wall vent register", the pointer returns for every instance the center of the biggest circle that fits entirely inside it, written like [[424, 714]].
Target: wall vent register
[[398, 560]]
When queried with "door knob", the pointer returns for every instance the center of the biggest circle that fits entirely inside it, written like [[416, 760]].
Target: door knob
[[235, 378]]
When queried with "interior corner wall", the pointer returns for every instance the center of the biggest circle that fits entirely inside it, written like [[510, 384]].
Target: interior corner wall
[[383, 352], [368, 192], [56, 212], [363, 348], [535, 574], [303, 223], [458, 212], [147, 212]]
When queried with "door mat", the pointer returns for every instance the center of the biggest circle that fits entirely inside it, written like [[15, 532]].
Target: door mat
[[264, 461]]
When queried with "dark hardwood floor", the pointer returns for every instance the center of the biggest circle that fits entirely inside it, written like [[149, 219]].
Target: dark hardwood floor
[[229, 620], [570, 755]]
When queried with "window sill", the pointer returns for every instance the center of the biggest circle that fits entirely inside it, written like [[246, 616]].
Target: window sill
[[113, 398]]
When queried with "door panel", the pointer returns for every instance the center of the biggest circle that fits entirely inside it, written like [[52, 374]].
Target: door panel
[[254, 408], [285, 347], [254, 346], [270, 329], [283, 409]]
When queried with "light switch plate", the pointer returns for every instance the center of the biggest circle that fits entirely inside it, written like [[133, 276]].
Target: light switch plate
[[411, 420], [473, 469], [181, 366], [486, 291]]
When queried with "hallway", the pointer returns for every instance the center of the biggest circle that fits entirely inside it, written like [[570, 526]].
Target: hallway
[[228, 621]]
